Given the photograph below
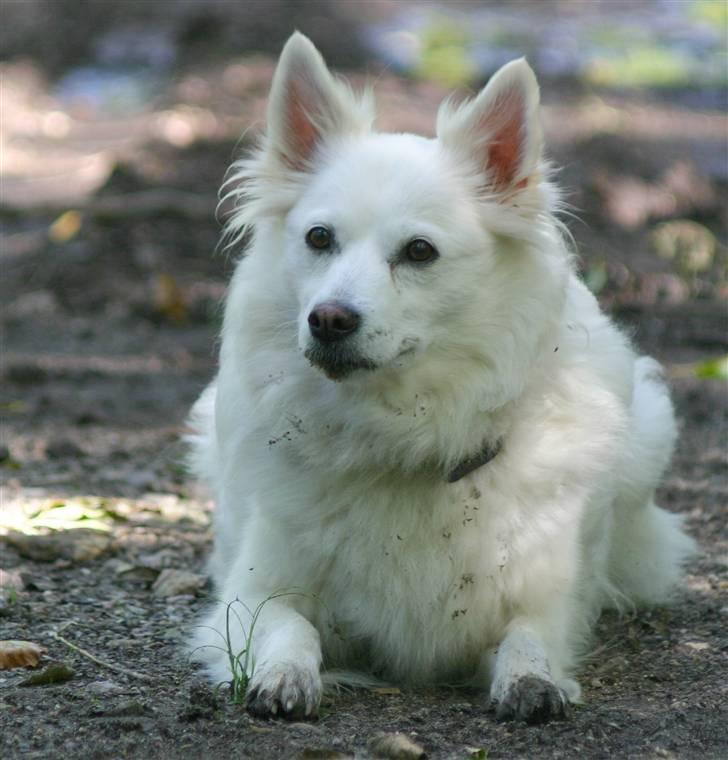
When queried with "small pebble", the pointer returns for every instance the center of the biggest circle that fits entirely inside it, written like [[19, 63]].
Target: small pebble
[[103, 687], [395, 747], [63, 448], [316, 753], [177, 582]]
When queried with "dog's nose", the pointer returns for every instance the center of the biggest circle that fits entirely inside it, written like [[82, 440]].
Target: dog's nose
[[332, 321]]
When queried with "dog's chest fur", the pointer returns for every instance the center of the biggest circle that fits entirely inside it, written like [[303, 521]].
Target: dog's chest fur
[[394, 555], [452, 553]]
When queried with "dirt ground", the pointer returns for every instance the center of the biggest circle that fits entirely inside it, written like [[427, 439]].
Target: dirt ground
[[109, 321]]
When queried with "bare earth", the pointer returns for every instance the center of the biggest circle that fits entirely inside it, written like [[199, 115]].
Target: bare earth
[[109, 334]]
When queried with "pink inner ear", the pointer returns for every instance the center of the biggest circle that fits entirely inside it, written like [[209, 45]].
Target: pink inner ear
[[504, 123], [302, 134]]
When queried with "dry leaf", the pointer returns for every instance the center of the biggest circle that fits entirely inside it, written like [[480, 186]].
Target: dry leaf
[[65, 227], [19, 654], [169, 301], [385, 690]]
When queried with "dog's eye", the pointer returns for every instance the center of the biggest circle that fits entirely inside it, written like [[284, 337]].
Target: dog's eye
[[319, 238], [420, 251]]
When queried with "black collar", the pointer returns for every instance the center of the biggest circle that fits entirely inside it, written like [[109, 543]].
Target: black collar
[[466, 466]]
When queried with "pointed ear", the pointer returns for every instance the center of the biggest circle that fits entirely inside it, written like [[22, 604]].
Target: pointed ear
[[307, 105], [499, 129]]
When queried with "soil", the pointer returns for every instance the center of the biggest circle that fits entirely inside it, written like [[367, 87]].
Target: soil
[[109, 332]]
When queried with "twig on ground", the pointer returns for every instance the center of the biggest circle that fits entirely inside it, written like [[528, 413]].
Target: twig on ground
[[109, 665]]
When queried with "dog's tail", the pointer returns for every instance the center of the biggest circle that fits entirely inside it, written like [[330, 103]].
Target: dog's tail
[[649, 547], [202, 457]]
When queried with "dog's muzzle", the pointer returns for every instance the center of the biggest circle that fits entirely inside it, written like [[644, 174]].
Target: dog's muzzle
[[332, 326]]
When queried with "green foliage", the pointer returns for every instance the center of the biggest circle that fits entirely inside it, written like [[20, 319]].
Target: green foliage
[[444, 33], [713, 369], [596, 277], [691, 245], [242, 663], [695, 252], [712, 12], [636, 56], [648, 64], [478, 754], [444, 56]]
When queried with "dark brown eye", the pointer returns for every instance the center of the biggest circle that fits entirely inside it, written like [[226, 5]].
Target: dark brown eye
[[420, 251], [319, 238]]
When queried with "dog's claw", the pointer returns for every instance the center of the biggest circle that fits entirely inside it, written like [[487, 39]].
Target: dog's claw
[[285, 691], [533, 700]]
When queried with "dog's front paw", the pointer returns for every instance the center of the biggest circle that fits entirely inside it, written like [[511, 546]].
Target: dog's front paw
[[532, 700], [286, 690]]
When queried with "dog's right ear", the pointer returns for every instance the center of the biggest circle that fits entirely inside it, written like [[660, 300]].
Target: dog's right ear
[[308, 106]]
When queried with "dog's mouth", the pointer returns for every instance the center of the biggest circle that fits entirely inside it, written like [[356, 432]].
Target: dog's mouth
[[337, 362]]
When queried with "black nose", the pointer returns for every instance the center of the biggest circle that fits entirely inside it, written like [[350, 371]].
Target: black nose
[[332, 321]]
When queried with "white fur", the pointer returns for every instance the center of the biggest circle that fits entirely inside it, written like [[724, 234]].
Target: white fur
[[337, 491]]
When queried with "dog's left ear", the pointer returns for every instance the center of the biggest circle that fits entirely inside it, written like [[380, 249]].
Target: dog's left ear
[[499, 130], [308, 106]]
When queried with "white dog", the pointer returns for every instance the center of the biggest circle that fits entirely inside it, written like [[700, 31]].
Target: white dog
[[422, 426]]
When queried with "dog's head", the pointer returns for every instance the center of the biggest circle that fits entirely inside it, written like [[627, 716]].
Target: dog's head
[[398, 246]]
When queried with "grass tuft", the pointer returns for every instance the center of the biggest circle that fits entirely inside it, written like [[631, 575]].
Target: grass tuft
[[242, 663]]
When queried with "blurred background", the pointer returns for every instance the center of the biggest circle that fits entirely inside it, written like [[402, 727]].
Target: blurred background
[[119, 120]]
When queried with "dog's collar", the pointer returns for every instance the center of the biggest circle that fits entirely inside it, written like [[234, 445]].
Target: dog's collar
[[466, 466]]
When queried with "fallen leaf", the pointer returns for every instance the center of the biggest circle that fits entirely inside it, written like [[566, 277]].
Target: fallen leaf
[[169, 300], [54, 672], [385, 690], [65, 515], [19, 654], [65, 227]]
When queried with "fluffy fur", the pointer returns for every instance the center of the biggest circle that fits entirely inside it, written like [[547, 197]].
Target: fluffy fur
[[337, 490]]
